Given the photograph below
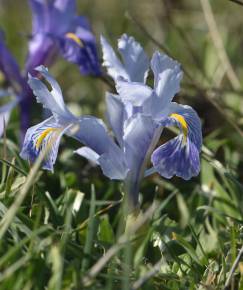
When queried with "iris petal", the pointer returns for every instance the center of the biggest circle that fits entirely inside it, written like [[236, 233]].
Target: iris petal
[[136, 93], [167, 77], [140, 137], [44, 137], [52, 100], [57, 28], [79, 46], [136, 62], [101, 150], [116, 114], [114, 66], [180, 156]]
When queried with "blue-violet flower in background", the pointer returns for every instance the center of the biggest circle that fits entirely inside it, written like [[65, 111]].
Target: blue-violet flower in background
[[56, 29]]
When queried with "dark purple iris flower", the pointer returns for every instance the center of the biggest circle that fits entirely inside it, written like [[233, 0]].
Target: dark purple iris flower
[[56, 30]]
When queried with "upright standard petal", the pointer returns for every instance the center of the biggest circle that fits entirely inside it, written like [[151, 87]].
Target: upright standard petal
[[136, 61], [114, 66], [167, 77], [43, 138], [180, 156], [136, 93]]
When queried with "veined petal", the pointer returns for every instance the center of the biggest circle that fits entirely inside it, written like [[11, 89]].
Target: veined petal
[[44, 137], [136, 93], [52, 100], [167, 77], [114, 67], [136, 62], [180, 156]]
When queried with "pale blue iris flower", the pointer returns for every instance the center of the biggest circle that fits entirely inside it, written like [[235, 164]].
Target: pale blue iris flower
[[136, 115], [87, 129]]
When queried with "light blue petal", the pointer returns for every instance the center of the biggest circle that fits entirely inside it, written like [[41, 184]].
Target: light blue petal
[[180, 156], [136, 62], [92, 132], [154, 107], [114, 67], [102, 149], [167, 77], [116, 115], [52, 100], [113, 165], [136, 93], [176, 158], [140, 136], [89, 154], [112, 162], [44, 136]]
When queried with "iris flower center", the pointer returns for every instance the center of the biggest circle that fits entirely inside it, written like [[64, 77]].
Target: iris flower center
[[75, 38], [43, 135]]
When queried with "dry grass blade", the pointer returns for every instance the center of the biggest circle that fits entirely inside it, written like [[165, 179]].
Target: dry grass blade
[[138, 283], [218, 42], [232, 270]]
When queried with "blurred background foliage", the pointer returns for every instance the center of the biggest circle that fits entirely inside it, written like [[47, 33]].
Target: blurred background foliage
[[197, 232]]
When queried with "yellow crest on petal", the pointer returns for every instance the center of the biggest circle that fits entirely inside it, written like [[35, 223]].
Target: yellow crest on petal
[[75, 38], [43, 136], [182, 121]]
